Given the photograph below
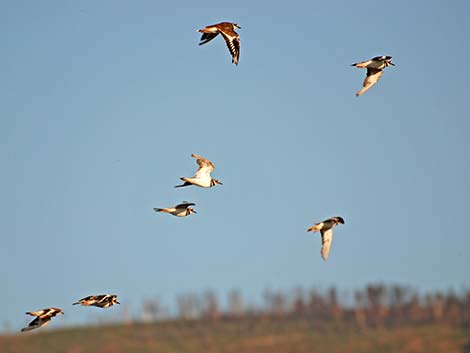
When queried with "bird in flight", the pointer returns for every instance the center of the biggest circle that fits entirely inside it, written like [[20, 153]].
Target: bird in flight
[[374, 71], [181, 210], [227, 30], [101, 301], [326, 230], [202, 177], [43, 317]]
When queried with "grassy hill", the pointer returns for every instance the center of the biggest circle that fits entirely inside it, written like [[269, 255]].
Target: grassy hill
[[273, 335]]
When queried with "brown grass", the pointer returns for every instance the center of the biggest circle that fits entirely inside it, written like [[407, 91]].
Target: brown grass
[[280, 335]]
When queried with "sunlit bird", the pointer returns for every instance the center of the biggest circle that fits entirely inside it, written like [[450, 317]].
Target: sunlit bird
[[43, 317], [202, 177], [227, 30], [181, 210], [374, 71], [101, 301], [326, 230]]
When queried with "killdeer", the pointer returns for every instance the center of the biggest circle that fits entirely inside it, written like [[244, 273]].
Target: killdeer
[[42, 318], [181, 210], [227, 30], [326, 230], [374, 71], [101, 301], [202, 177]]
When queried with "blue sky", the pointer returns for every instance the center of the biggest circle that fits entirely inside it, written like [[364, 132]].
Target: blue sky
[[104, 102]]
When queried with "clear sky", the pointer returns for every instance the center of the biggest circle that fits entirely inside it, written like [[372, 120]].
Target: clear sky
[[103, 102]]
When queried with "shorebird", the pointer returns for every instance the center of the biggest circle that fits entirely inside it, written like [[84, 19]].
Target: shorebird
[[326, 230], [42, 318], [202, 177], [227, 30], [181, 210], [374, 71], [101, 301]]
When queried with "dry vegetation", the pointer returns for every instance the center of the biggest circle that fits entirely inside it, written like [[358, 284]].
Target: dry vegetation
[[382, 319], [248, 334]]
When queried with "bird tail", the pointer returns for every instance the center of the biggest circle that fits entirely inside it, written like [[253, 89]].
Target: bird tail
[[360, 65], [160, 210], [27, 328], [186, 183]]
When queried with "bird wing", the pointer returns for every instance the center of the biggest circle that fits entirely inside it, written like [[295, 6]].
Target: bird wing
[[326, 238], [207, 37], [101, 298], [205, 166], [233, 44], [373, 76], [185, 204], [36, 323], [51, 312], [316, 227]]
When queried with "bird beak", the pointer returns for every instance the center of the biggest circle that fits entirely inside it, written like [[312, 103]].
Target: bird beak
[[118, 302], [392, 64], [221, 183], [194, 211]]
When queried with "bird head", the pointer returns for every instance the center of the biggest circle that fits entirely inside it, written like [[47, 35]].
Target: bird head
[[114, 299], [190, 210], [339, 220], [235, 25], [388, 61], [214, 182]]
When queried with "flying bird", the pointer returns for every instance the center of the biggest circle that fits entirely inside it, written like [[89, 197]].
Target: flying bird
[[101, 301], [374, 71], [42, 318], [227, 30], [326, 230], [202, 177], [181, 210]]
